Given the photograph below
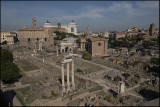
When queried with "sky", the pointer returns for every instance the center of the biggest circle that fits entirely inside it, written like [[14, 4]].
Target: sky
[[97, 15]]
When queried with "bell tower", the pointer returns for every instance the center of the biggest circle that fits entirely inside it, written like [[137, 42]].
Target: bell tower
[[34, 21]]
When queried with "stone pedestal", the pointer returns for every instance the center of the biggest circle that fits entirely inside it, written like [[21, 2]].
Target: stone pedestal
[[121, 87]]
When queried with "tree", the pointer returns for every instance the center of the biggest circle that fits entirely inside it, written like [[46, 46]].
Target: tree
[[146, 43], [86, 56], [6, 55], [123, 38], [132, 39], [9, 70], [4, 43], [139, 38], [115, 43]]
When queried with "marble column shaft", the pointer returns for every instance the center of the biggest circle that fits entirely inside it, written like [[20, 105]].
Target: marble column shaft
[[57, 50], [68, 84], [73, 84], [63, 86]]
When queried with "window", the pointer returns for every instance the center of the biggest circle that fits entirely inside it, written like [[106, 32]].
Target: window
[[28, 39], [99, 44], [45, 39], [72, 29], [37, 39]]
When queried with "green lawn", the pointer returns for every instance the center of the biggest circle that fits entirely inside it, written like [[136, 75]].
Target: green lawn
[[25, 96], [26, 66]]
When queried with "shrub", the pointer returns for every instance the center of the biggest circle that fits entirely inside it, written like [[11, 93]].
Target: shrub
[[86, 56], [143, 53], [79, 70], [53, 94], [132, 54], [108, 98], [154, 61]]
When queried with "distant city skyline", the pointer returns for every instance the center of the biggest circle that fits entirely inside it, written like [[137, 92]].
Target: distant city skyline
[[97, 15]]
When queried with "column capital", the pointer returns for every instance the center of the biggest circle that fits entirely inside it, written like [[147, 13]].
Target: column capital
[[63, 62]]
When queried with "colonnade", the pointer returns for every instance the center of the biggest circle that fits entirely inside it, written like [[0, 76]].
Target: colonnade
[[64, 90]]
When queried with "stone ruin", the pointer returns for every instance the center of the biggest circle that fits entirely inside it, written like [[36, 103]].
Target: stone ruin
[[67, 61]]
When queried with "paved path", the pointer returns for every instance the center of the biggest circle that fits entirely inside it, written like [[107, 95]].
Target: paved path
[[16, 102], [15, 88]]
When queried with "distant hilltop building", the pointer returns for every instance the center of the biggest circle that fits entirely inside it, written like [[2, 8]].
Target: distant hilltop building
[[88, 33], [106, 33], [120, 35], [134, 29], [152, 29], [71, 27]]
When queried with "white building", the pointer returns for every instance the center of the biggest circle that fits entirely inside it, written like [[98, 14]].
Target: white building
[[106, 33], [4, 35], [71, 27]]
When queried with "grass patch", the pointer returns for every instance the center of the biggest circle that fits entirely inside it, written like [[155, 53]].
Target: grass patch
[[108, 98], [26, 66], [53, 93], [94, 89], [24, 96]]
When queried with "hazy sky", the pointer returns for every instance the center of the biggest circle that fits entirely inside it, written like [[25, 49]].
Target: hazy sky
[[98, 15]]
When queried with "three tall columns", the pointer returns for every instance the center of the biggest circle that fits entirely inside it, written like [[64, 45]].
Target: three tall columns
[[68, 76]]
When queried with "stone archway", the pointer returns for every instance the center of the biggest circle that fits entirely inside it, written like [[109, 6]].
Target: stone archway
[[66, 49]]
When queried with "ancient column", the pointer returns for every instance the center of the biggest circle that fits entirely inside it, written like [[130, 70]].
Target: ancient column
[[63, 86], [40, 45], [73, 84], [68, 84], [43, 60], [57, 50]]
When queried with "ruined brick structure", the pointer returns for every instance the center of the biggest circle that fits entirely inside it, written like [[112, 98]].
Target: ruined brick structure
[[98, 46]]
